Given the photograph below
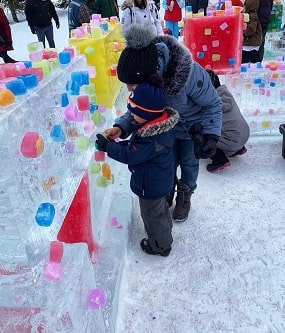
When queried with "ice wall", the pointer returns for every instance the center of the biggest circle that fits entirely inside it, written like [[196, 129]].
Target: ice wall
[[48, 156], [259, 90]]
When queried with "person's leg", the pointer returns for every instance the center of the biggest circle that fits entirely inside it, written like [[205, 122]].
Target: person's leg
[[41, 35], [157, 222], [193, 4], [175, 30], [169, 25], [6, 57], [245, 57], [260, 52], [49, 36], [189, 165]]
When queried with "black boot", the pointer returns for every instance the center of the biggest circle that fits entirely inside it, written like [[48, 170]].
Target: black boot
[[6, 58], [145, 246], [183, 203], [242, 151], [219, 161]]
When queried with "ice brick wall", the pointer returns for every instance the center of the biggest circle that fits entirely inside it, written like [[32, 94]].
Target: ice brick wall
[[259, 90], [37, 193]]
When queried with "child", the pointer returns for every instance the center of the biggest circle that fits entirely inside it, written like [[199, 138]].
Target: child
[[252, 35], [173, 14], [150, 158], [235, 130]]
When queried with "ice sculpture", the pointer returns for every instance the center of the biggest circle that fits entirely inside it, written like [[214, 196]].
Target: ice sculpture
[[259, 90], [102, 48], [47, 196], [215, 41]]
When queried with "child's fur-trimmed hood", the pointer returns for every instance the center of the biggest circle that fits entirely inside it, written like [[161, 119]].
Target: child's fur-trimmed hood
[[160, 127]]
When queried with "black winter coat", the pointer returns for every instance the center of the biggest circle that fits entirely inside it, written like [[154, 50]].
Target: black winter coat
[[39, 13], [264, 13]]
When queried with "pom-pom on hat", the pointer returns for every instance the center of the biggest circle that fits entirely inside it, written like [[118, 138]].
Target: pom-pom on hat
[[147, 101], [139, 59]]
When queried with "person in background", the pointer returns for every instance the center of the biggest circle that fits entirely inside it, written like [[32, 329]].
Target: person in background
[[149, 155], [6, 43], [107, 8], [157, 3], [173, 15], [39, 14], [79, 12], [264, 16], [188, 90], [252, 35], [198, 6], [141, 12], [235, 129]]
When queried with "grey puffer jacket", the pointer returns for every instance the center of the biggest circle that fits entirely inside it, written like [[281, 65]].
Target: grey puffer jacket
[[188, 88], [235, 129]]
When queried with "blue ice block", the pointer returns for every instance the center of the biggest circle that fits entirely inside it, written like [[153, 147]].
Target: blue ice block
[[45, 214], [57, 134], [17, 86]]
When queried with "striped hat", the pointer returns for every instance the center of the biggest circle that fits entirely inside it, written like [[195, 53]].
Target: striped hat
[[147, 101]]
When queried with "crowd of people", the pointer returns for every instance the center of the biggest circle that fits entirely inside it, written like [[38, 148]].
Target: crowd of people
[[177, 112]]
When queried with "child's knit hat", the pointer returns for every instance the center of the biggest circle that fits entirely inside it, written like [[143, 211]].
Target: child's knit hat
[[147, 101], [139, 60]]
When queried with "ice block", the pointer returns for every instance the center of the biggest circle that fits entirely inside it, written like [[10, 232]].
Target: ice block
[[6, 97], [32, 145], [215, 41], [101, 54]]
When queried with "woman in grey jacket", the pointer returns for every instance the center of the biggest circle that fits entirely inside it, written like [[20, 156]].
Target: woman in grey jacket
[[235, 129]]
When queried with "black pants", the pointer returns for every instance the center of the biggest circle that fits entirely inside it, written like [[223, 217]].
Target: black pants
[[46, 33], [157, 222]]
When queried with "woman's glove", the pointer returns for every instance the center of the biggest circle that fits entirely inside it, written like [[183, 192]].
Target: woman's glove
[[204, 144], [209, 147], [101, 143]]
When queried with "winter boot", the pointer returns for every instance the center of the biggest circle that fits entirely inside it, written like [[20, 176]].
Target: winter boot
[[219, 162], [145, 246], [242, 151], [182, 208], [6, 58]]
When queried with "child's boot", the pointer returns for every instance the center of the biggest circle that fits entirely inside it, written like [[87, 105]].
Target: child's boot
[[183, 203]]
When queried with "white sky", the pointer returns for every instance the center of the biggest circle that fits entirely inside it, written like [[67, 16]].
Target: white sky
[[226, 272]]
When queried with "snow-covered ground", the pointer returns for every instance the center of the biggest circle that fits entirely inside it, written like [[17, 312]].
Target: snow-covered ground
[[226, 270]]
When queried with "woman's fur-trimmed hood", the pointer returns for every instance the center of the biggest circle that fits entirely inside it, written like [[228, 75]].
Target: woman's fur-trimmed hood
[[174, 58], [160, 127], [178, 67]]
